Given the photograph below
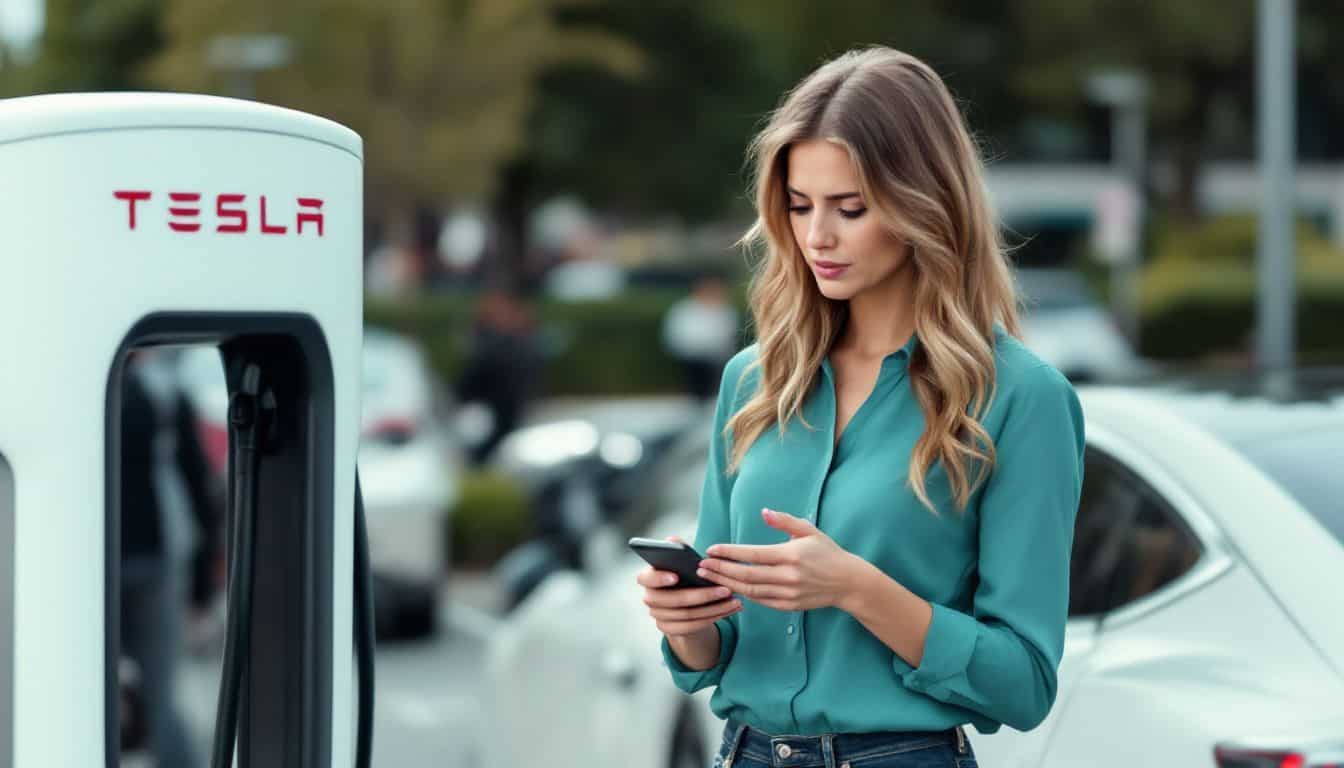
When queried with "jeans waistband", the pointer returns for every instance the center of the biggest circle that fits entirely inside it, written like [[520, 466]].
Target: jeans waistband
[[795, 751]]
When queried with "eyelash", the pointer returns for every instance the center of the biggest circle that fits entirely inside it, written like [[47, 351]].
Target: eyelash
[[843, 212]]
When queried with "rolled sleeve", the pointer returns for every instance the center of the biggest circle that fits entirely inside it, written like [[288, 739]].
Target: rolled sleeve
[[692, 680], [947, 652], [1001, 661]]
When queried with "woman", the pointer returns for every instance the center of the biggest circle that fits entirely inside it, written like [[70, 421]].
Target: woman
[[893, 477]]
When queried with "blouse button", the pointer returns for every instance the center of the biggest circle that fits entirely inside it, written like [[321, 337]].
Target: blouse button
[[783, 750], [790, 629]]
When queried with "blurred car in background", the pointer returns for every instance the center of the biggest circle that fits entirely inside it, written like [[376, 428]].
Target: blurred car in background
[[582, 473], [1067, 327], [409, 467], [580, 656], [1204, 627]]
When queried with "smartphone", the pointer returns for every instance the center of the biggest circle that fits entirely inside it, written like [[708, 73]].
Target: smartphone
[[681, 559]]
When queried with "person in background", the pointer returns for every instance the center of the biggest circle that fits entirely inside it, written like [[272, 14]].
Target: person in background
[[167, 506], [888, 507], [701, 332], [503, 365]]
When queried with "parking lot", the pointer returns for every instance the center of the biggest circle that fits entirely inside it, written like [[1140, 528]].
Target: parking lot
[[427, 690]]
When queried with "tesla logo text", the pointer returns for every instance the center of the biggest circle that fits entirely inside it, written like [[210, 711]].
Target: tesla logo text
[[232, 212]]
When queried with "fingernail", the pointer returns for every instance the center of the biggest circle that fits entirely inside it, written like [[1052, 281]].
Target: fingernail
[[669, 579], [768, 514], [722, 592], [702, 572]]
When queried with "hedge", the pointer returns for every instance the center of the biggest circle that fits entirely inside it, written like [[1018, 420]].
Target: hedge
[[1198, 293], [492, 516], [611, 347], [1197, 301]]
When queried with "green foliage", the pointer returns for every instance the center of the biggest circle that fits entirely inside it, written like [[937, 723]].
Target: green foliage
[[1198, 304], [1207, 326], [609, 347], [974, 46], [1217, 260], [1199, 292], [492, 516], [439, 91], [670, 142], [94, 45], [1174, 43]]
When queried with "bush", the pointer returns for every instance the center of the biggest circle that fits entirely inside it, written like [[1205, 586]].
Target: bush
[[492, 516], [611, 347], [1198, 293]]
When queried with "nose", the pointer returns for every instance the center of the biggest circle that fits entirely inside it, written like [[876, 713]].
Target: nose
[[819, 236]]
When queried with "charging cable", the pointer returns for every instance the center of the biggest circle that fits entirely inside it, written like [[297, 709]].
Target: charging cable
[[251, 416]]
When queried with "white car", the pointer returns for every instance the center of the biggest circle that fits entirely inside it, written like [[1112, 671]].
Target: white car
[[1204, 626], [1065, 325], [409, 467]]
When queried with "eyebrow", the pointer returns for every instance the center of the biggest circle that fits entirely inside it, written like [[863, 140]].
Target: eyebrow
[[841, 196]]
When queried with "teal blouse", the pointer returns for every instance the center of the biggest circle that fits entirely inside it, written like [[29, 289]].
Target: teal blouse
[[997, 576]]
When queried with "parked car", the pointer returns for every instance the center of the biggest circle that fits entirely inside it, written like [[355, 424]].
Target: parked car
[[1204, 625], [1066, 325], [409, 466], [585, 641], [582, 473]]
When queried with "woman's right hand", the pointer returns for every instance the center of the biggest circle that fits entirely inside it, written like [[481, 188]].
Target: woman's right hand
[[683, 612]]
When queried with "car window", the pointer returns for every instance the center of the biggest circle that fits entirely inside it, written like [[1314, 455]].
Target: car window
[[1306, 464], [1128, 542], [1053, 289]]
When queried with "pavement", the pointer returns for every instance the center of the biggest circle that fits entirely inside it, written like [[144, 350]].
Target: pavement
[[427, 710]]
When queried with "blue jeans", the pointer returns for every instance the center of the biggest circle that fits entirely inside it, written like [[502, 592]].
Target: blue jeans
[[746, 747]]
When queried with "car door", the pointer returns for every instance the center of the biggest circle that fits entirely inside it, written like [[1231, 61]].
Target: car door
[[539, 678], [1089, 585], [633, 686], [1132, 547]]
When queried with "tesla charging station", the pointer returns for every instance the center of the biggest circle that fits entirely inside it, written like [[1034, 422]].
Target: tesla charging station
[[129, 220]]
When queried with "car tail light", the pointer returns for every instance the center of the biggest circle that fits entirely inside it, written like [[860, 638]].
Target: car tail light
[[391, 431], [1331, 756]]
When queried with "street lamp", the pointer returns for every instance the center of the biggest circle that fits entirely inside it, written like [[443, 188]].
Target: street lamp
[[1276, 112], [1125, 93], [243, 56]]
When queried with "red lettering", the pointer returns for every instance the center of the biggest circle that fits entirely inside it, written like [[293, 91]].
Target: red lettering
[[231, 213], [131, 197], [309, 216], [187, 213], [238, 214], [269, 229]]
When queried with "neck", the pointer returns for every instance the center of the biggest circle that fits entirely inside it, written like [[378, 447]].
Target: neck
[[882, 318]]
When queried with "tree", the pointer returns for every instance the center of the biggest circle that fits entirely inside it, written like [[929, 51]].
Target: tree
[[1198, 56], [93, 45], [668, 143], [973, 45], [673, 142], [439, 89]]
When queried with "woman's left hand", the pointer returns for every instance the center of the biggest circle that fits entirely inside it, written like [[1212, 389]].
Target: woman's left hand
[[807, 571]]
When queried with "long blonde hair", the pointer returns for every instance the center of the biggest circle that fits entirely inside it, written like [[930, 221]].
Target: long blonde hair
[[920, 170]]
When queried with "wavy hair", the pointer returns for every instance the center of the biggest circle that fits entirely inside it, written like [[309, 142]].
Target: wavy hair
[[920, 170]]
